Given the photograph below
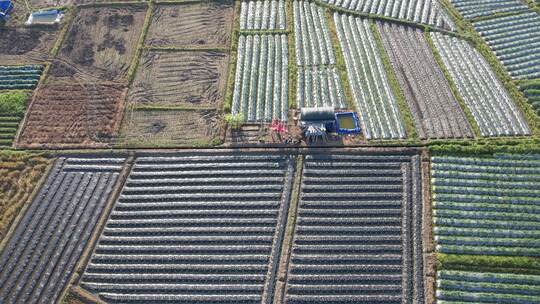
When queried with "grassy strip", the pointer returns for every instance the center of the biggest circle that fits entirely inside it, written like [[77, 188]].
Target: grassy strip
[[140, 45], [177, 2], [136, 107], [452, 84], [482, 47], [484, 263], [340, 60], [185, 49], [229, 89], [69, 16], [403, 107], [292, 68], [534, 5], [523, 145], [113, 4]]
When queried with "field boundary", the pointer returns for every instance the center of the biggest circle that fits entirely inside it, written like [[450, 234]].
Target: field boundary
[[233, 56], [133, 67]]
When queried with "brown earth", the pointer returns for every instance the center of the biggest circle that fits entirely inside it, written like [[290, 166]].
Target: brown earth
[[73, 115], [180, 78], [192, 24], [171, 128], [26, 45], [100, 44]]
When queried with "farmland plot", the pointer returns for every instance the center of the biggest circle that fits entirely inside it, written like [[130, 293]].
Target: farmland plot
[[20, 77], [377, 105], [73, 116], [194, 228], [487, 205], [170, 128], [358, 232], [261, 81], [26, 45], [473, 8], [420, 11], [194, 78], [319, 87], [100, 44], [484, 95], [516, 42], [192, 24], [263, 15], [483, 287], [39, 258], [436, 112], [532, 92]]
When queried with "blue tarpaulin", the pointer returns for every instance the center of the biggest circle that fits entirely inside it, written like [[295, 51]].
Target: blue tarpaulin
[[6, 7]]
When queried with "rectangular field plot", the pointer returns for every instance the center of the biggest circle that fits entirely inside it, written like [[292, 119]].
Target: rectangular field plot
[[170, 128], [26, 45], [20, 77], [262, 15], [194, 228], [484, 95], [487, 206], [261, 81], [358, 231], [474, 8], [377, 105], [100, 44], [436, 112], [39, 258], [482, 287], [419, 11], [516, 42], [192, 78], [73, 116], [192, 24], [319, 87]]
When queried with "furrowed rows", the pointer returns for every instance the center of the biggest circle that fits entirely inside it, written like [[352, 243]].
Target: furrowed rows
[[532, 92], [435, 110], [483, 93], [261, 81], [319, 84], [421, 11], [40, 257], [474, 287], [487, 205], [479, 8], [379, 114], [516, 42], [357, 237], [263, 15], [194, 229], [20, 77]]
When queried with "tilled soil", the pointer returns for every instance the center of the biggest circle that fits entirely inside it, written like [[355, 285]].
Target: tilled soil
[[170, 128], [436, 112], [192, 24], [100, 43], [66, 115], [173, 78], [26, 45]]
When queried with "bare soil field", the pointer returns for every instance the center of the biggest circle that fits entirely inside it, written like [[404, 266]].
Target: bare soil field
[[180, 78], [83, 115], [170, 128], [26, 45], [436, 112], [192, 24], [100, 44]]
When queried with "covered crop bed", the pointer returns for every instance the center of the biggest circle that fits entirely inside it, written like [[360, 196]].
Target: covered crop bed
[[487, 206], [516, 42], [435, 110], [20, 77], [484, 95], [379, 114], [192, 228], [532, 92], [192, 24], [39, 258], [473, 8], [357, 237], [262, 15]]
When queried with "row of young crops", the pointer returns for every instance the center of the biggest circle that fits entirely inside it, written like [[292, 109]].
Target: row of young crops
[[483, 94], [532, 92], [374, 99], [261, 79], [421, 11], [194, 228], [23, 77], [262, 15], [473, 8], [357, 237], [515, 40], [38, 260]]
